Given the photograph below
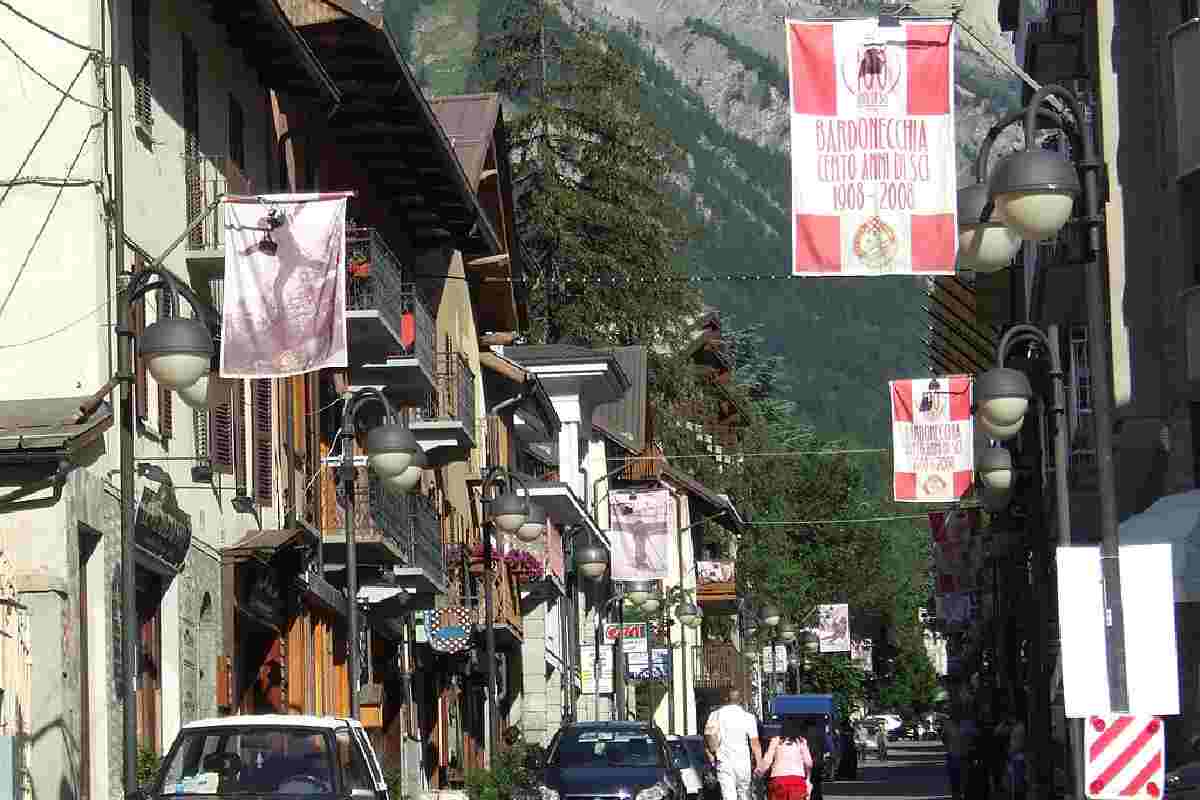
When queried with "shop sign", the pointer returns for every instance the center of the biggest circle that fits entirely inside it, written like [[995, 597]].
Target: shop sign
[[161, 528], [632, 636], [450, 629], [261, 593]]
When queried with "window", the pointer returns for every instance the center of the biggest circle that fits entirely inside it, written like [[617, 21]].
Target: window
[[143, 111], [264, 452], [192, 177], [250, 759], [237, 134], [354, 767], [226, 429], [614, 747]]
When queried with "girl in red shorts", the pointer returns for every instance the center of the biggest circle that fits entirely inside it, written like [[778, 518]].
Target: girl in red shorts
[[789, 762]]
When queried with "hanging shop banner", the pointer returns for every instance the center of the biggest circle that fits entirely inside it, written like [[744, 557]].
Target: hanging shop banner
[[450, 629], [641, 525], [285, 285], [833, 627], [874, 179], [957, 549], [862, 654], [932, 439]]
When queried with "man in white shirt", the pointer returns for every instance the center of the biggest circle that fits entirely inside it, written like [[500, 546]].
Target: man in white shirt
[[731, 736]]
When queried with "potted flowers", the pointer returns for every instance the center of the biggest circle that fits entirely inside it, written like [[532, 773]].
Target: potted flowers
[[523, 566]]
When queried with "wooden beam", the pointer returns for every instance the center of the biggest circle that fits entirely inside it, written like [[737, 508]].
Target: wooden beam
[[485, 261], [502, 367], [494, 339]]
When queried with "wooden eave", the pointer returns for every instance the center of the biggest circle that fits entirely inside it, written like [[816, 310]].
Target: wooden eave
[[275, 48], [386, 125]]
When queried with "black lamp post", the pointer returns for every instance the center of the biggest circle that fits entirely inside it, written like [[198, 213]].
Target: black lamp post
[[178, 352], [515, 515], [591, 562], [391, 452], [1034, 191]]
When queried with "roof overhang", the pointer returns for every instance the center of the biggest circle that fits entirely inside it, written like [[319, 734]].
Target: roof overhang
[[264, 544], [562, 505], [273, 46], [49, 430], [716, 506], [596, 376]]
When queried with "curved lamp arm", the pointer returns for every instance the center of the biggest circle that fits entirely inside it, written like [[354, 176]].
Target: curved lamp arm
[[985, 147], [1069, 98], [362, 396], [167, 283], [497, 473], [1020, 332]]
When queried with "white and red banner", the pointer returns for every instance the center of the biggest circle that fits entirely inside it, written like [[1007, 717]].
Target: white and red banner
[[874, 179], [1126, 757], [932, 439], [284, 311], [641, 526]]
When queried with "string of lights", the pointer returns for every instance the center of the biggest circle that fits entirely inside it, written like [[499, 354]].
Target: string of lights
[[762, 454], [50, 31], [860, 520]]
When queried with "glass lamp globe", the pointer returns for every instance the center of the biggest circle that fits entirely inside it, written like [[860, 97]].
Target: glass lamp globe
[[687, 614], [591, 561], [1034, 192], [534, 525], [638, 592], [408, 480], [651, 604], [509, 512], [787, 632], [696, 621], [195, 395], [178, 351], [1002, 396], [995, 468], [390, 450], [987, 246], [770, 615], [999, 433]]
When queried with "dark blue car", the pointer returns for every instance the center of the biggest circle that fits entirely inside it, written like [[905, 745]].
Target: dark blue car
[[589, 760]]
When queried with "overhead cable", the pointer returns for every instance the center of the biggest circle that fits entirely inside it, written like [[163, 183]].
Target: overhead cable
[[66, 93], [50, 31]]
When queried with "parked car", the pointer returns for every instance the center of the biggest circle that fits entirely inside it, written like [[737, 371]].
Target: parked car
[[690, 758], [1183, 782], [613, 759], [270, 754]]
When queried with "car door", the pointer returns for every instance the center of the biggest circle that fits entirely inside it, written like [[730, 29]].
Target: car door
[[372, 761]]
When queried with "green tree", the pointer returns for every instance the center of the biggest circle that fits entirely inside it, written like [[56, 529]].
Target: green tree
[[836, 675], [592, 172], [913, 685]]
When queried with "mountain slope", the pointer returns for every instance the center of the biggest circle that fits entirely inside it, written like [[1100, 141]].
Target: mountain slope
[[713, 77]]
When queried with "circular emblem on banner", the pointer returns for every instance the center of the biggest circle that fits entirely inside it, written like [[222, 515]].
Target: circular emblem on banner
[[872, 74], [450, 629], [875, 244]]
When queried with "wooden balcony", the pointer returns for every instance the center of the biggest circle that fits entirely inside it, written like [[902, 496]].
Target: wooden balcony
[[718, 665], [506, 604], [445, 420], [716, 586]]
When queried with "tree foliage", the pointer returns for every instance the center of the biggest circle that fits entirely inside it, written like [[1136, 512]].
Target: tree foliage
[[592, 171], [913, 685]]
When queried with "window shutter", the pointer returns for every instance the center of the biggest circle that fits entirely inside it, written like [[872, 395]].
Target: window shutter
[[264, 452], [137, 321], [220, 427], [142, 110], [239, 432]]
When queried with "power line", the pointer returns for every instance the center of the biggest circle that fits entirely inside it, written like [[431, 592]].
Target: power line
[[63, 183], [54, 332], [64, 92], [51, 31], [791, 522], [763, 454]]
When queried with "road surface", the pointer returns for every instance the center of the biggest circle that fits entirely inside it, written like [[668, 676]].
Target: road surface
[[913, 771]]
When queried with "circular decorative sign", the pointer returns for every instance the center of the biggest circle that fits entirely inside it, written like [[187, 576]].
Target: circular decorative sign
[[450, 629]]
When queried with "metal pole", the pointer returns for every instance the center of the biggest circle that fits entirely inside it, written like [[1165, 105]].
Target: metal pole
[[619, 664], [670, 683], [348, 475], [125, 376], [1102, 393], [489, 636], [596, 664]]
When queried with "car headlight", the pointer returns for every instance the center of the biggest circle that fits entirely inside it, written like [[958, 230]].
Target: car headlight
[[547, 793], [655, 792]]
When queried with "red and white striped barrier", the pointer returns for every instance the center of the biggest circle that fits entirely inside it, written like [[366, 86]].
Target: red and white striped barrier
[[1126, 755]]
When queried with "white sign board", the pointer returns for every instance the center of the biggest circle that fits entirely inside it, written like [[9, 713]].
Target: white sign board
[[1125, 757], [777, 662], [587, 668], [1148, 597]]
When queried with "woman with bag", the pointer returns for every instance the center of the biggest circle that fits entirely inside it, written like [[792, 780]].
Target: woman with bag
[[789, 761]]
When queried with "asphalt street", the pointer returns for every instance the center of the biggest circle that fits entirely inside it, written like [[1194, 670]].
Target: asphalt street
[[913, 771]]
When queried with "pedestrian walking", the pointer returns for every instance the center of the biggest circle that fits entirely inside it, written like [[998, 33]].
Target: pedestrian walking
[[881, 742], [731, 739], [848, 763], [789, 762]]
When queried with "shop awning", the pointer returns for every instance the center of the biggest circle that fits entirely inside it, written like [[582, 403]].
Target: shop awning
[[49, 428], [267, 543], [1174, 520]]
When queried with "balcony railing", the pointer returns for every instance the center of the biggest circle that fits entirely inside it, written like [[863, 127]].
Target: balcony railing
[[718, 665], [453, 395], [1185, 61], [376, 284], [206, 179], [715, 579]]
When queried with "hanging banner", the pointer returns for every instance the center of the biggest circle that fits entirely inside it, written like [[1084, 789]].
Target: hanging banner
[[957, 549], [285, 285], [874, 179], [640, 532], [932, 439], [833, 627]]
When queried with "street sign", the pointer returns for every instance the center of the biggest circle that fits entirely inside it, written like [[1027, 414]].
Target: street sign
[[1125, 757], [632, 636]]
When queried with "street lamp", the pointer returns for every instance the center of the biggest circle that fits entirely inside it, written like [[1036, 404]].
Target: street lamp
[[638, 592], [787, 632], [509, 513], [1002, 397], [689, 615], [178, 353], [591, 561], [391, 450], [1034, 190], [770, 615], [995, 468], [985, 244], [407, 480], [652, 603], [534, 525]]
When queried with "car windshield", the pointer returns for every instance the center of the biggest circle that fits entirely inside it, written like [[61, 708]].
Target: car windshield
[[619, 747], [250, 760], [680, 754]]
